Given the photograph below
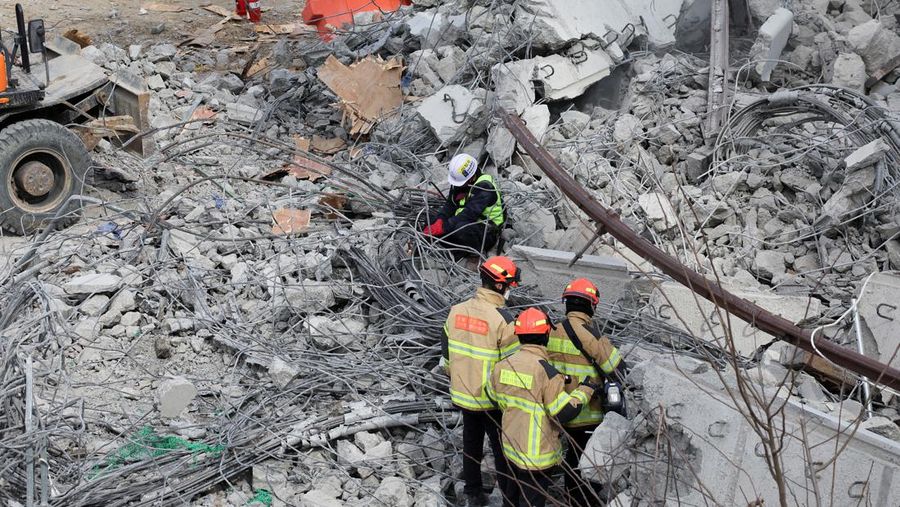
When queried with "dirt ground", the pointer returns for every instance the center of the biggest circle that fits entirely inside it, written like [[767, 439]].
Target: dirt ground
[[121, 22]]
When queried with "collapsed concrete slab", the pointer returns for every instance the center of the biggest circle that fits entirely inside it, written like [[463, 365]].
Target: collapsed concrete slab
[[447, 110], [555, 24], [679, 306], [549, 271], [694, 446], [879, 308], [555, 77], [567, 77]]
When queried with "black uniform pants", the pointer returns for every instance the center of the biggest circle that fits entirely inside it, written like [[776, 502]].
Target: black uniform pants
[[531, 488], [475, 426], [477, 236], [581, 492]]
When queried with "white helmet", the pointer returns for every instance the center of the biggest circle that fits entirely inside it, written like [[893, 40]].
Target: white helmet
[[462, 167]]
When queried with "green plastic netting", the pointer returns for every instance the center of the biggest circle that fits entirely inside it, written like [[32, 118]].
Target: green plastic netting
[[146, 443]]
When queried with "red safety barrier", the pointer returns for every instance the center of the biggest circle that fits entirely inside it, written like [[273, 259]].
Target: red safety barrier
[[328, 15]]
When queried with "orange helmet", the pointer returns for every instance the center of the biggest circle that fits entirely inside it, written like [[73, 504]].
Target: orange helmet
[[582, 288], [502, 269], [532, 321]]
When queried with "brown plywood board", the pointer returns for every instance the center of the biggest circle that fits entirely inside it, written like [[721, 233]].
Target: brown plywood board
[[368, 90]]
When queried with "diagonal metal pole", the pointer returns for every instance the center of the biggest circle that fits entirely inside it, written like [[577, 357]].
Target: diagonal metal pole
[[757, 316]]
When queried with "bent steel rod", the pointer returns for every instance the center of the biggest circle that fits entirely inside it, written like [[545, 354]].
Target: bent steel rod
[[758, 317]]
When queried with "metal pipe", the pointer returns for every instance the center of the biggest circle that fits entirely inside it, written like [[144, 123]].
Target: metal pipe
[[756, 316], [857, 327], [29, 451]]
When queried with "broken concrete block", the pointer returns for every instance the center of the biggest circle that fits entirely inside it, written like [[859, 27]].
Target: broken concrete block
[[87, 329], [94, 305], [242, 113], [174, 395], [327, 332], [349, 454], [282, 372], [771, 40], [272, 476], [501, 145], [680, 307], [769, 264], [537, 119], [93, 283], [627, 128], [867, 155], [850, 72], [434, 28], [393, 491], [659, 210], [605, 458], [878, 46], [447, 110], [319, 498], [852, 194], [123, 302], [155, 82], [513, 85], [187, 246], [130, 319]]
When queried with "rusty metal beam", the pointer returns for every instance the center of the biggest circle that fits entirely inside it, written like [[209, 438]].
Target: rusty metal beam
[[757, 317], [717, 90]]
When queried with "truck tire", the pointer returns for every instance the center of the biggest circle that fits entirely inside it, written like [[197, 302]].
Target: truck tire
[[42, 164]]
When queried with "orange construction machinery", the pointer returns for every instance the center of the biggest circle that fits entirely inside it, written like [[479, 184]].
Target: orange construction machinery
[[330, 15]]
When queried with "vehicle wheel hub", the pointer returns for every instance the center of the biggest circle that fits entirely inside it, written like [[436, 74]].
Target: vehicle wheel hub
[[34, 178]]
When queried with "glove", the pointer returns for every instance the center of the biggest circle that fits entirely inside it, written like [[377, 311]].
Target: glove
[[594, 387], [435, 229]]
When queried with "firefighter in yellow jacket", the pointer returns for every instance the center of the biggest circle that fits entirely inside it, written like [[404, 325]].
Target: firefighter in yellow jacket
[[477, 334], [533, 397], [577, 351]]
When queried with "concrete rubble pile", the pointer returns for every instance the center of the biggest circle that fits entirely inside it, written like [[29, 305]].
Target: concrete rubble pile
[[247, 295]]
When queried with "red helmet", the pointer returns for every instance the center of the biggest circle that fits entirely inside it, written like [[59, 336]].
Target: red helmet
[[532, 321], [582, 288], [502, 269]]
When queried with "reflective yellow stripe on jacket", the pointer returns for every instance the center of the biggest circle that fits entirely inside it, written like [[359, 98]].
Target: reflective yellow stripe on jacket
[[494, 212], [533, 457], [569, 360]]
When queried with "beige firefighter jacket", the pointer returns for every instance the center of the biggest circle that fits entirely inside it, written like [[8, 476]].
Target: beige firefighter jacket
[[531, 393], [477, 334], [566, 358]]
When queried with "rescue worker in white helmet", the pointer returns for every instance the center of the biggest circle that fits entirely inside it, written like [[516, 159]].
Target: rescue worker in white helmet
[[477, 334], [535, 402], [473, 216], [578, 351]]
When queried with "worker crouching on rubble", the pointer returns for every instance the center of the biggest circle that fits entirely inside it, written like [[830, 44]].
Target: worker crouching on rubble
[[472, 217], [532, 395], [477, 334], [578, 352]]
